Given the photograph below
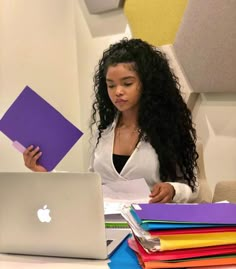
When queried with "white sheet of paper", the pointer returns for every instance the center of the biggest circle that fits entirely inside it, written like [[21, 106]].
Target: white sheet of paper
[[121, 193]]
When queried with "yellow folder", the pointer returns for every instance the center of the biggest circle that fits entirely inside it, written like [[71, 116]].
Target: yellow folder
[[182, 241]]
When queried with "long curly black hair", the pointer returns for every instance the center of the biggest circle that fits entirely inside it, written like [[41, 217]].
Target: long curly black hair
[[164, 118]]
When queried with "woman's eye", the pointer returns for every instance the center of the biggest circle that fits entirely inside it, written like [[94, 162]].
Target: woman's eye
[[110, 86], [127, 84]]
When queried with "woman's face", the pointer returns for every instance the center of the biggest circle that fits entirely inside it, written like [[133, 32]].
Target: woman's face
[[123, 86]]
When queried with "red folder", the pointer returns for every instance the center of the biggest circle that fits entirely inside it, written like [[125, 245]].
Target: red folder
[[169, 255]]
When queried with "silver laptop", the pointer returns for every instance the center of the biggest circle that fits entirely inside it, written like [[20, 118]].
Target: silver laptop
[[55, 214]]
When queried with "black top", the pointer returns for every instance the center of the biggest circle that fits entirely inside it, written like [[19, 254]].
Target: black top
[[119, 161]]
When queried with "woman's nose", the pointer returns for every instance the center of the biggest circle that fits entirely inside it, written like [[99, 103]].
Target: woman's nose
[[119, 90]]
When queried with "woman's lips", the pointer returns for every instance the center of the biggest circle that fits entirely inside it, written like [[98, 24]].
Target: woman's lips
[[120, 101]]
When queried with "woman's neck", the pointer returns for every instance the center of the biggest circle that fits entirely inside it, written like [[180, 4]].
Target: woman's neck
[[128, 120]]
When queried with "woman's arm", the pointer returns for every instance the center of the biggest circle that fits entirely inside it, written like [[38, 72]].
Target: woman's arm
[[183, 192], [176, 192]]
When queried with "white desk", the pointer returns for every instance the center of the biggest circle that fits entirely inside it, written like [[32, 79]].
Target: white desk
[[34, 262]]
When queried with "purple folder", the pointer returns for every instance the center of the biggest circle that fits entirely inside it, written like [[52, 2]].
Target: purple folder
[[212, 213], [30, 120]]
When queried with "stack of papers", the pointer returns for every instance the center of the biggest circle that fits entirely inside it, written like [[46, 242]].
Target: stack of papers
[[120, 194], [183, 235]]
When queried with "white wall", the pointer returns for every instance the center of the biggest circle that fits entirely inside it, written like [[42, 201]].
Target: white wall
[[38, 48], [48, 46], [214, 115]]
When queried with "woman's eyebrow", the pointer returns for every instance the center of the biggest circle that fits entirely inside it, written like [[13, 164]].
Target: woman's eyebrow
[[129, 77], [124, 78], [109, 80]]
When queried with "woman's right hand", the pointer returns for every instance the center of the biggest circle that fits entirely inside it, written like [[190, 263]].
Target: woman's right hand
[[31, 156]]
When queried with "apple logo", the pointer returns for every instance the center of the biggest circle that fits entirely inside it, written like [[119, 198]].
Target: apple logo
[[43, 214]]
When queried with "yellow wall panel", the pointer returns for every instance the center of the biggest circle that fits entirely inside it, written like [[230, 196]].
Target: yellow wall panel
[[155, 21]]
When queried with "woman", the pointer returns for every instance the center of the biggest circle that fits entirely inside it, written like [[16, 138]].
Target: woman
[[144, 128]]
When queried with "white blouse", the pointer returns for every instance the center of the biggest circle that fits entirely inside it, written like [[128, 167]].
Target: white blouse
[[143, 163]]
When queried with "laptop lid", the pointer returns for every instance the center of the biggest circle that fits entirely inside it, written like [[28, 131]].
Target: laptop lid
[[54, 214]]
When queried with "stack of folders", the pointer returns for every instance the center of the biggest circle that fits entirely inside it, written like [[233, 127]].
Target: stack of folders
[[183, 235]]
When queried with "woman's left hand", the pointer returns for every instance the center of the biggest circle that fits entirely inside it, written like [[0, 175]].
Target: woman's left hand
[[162, 193]]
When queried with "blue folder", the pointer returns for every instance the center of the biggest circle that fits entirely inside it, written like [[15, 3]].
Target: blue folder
[[31, 120], [124, 257]]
